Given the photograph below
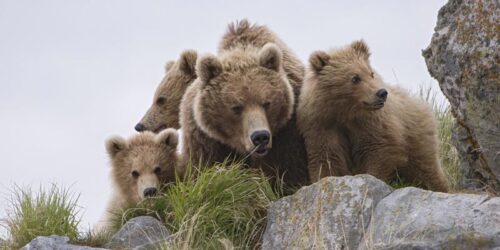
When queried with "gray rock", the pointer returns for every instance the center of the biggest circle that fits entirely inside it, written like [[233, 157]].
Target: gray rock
[[412, 218], [464, 56], [142, 232], [330, 214], [54, 242]]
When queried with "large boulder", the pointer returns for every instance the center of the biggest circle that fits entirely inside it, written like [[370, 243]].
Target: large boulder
[[330, 214], [464, 56], [413, 218]]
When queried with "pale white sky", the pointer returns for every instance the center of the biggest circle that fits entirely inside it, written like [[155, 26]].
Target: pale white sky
[[72, 73]]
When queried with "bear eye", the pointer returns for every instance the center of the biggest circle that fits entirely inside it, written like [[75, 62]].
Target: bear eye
[[135, 174], [157, 170], [238, 109], [266, 105], [161, 100], [356, 79]]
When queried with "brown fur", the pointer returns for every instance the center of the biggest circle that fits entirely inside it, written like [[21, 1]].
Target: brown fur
[[250, 85], [144, 153], [347, 133], [164, 111]]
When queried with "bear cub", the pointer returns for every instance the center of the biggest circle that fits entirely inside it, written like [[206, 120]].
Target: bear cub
[[354, 123], [140, 166], [164, 111]]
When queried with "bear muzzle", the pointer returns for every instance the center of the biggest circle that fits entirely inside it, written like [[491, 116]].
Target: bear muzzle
[[382, 94], [381, 98], [140, 127], [258, 137], [260, 140], [149, 192]]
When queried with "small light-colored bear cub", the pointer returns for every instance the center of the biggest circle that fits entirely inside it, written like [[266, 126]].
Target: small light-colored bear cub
[[139, 167]]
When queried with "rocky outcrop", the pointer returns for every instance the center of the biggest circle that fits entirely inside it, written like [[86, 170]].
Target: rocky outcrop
[[350, 212], [464, 56], [362, 212]]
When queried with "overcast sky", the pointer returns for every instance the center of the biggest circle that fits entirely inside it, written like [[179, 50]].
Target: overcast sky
[[72, 73]]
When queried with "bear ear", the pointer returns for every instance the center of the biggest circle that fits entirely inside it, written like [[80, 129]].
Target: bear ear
[[208, 67], [187, 62], [115, 144], [168, 66], [361, 48], [318, 60], [169, 137], [270, 57]]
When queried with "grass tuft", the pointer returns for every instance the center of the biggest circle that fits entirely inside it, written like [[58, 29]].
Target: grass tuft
[[399, 182], [47, 212], [448, 154], [222, 206]]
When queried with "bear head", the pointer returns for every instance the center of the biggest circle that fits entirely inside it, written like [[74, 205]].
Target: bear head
[[164, 111], [141, 164], [244, 98], [346, 79]]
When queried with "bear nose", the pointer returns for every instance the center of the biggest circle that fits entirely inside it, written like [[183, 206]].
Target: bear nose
[[382, 94], [139, 127], [260, 138], [148, 192]]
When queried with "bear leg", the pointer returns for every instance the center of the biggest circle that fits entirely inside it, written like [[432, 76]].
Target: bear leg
[[327, 156]]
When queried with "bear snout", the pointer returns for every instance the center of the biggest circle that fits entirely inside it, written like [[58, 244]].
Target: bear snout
[[260, 138], [140, 127], [382, 94], [148, 192]]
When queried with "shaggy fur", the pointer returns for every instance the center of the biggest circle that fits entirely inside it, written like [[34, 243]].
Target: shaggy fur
[[348, 129], [164, 111], [152, 157], [251, 85]]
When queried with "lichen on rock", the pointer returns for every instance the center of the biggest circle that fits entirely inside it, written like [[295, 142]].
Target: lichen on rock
[[464, 57], [330, 214], [362, 212]]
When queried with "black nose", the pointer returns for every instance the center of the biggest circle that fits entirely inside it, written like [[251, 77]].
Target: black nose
[[382, 94], [148, 192], [139, 127], [260, 137]]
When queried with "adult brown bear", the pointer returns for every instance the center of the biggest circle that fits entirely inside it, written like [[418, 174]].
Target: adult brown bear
[[243, 105]]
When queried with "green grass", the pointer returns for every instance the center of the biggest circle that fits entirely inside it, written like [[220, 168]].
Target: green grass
[[46, 212], [92, 239], [402, 183], [224, 206], [448, 154]]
